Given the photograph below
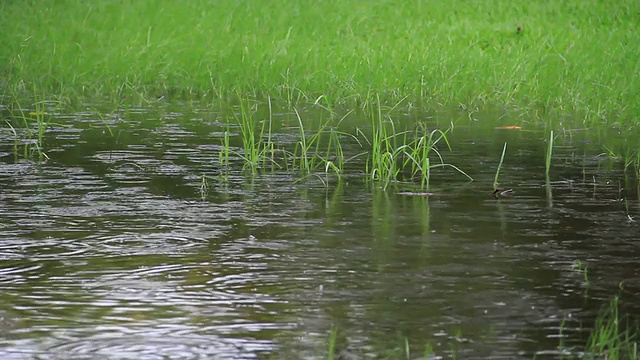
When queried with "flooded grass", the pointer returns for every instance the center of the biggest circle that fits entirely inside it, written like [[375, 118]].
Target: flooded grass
[[33, 122], [298, 101], [319, 150], [388, 152], [614, 336], [571, 58], [582, 268], [256, 138], [159, 219]]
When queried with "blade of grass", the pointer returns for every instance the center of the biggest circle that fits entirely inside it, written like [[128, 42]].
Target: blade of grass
[[495, 179]]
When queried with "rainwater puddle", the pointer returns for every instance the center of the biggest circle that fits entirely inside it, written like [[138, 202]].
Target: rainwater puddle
[[111, 250]]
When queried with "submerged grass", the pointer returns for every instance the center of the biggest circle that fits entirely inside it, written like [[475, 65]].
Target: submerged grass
[[582, 268], [571, 57], [403, 351], [613, 337]]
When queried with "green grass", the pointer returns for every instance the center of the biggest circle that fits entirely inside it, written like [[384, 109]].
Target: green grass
[[401, 154], [403, 351], [333, 334], [382, 164], [258, 148], [394, 151], [539, 57], [548, 156], [495, 179], [582, 268], [614, 336], [417, 156], [32, 125]]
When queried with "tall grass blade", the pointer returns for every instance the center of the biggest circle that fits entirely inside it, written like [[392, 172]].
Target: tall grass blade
[[333, 336], [549, 153], [495, 179]]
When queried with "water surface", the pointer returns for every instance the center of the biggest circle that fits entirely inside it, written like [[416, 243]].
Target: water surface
[[113, 249]]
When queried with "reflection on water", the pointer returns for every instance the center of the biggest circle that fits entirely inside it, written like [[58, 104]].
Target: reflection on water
[[111, 250]]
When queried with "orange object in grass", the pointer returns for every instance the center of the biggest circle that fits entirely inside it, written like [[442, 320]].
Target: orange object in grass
[[510, 127]]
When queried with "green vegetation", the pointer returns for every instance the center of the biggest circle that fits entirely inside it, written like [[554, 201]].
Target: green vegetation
[[333, 334], [392, 153], [248, 143], [573, 60], [395, 151], [538, 57], [495, 179], [256, 138], [548, 155], [582, 268], [28, 127], [613, 336], [401, 352], [308, 155]]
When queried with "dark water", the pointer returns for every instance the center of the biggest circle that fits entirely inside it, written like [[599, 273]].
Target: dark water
[[112, 250]]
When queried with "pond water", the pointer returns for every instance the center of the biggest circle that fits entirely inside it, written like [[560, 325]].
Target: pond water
[[112, 248]]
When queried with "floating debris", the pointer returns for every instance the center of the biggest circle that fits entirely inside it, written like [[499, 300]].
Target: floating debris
[[499, 192]]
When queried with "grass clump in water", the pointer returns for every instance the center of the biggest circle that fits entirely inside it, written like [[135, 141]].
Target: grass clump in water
[[613, 336], [258, 149], [394, 152], [28, 126]]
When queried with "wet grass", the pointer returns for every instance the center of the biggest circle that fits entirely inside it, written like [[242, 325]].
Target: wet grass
[[574, 58], [394, 152], [403, 350], [258, 149], [567, 64], [29, 127], [398, 153], [496, 184], [548, 156], [312, 151], [388, 152], [333, 335], [614, 336], [582, 268]]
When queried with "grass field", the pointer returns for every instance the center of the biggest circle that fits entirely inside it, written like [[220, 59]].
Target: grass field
[[575, 59]]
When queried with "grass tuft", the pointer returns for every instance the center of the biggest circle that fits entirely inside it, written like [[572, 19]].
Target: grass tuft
[[613, 337]]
